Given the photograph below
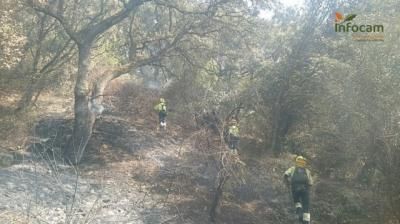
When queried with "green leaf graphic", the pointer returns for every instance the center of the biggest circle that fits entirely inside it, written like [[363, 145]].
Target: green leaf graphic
[[349, 17]]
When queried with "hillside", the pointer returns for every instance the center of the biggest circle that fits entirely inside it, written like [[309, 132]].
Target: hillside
[[132, 173]]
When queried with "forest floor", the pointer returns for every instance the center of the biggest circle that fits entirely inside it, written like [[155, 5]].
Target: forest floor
[[132, 173]]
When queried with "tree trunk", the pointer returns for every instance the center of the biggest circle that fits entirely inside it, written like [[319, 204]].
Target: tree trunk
[[275, 129], [84, 117], [276, 123], [217, 198], [32, 93], [26, 99]]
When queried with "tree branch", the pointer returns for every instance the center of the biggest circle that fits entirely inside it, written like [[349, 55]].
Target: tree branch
[[57, 16], [90, 33]]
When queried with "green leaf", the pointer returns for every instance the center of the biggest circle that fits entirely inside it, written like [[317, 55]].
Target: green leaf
[[349, 17]]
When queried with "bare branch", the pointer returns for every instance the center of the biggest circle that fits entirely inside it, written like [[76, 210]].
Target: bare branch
[[58, 17]]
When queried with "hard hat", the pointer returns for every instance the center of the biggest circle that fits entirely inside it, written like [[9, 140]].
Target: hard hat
[[300, 161], [162, 100]]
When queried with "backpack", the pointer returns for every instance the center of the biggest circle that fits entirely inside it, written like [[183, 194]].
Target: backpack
[[164, 108], [161, 107], [300, 177]]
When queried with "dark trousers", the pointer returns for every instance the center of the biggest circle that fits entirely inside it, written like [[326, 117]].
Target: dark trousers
[[233, 142], [301, 195], [161, 116]]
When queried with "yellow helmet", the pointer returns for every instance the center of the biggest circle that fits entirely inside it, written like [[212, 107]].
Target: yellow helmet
[[301, 161], [162, 100]]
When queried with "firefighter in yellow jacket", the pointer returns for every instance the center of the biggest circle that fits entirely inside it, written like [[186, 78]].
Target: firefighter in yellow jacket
[[161, 108], [300, 181], [233, 134]]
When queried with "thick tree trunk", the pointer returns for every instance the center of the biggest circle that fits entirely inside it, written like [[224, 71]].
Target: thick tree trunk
[[84, 117], [84, 114]]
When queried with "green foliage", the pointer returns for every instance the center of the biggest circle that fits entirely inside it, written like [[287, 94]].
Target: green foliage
[[349, 17]]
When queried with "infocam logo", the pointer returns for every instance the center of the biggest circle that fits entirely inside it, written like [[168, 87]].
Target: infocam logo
[[359, 32]]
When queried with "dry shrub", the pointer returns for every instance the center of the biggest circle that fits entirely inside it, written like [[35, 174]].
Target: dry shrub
[[128, 98], [185, 98]]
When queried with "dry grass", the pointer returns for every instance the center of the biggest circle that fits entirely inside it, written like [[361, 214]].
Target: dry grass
[[12, 217]]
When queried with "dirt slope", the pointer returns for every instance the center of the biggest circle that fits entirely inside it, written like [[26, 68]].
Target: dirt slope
[[131, 173]]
